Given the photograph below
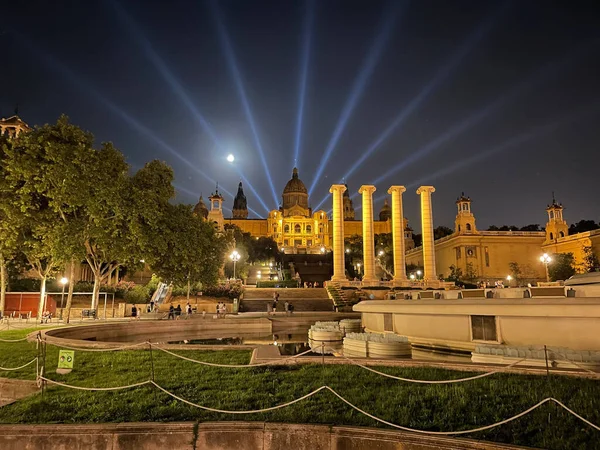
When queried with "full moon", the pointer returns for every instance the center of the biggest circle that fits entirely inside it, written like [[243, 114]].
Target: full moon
[[230, 158]]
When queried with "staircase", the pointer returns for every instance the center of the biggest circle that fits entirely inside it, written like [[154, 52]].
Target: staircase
[[339, 297], [255, 300]]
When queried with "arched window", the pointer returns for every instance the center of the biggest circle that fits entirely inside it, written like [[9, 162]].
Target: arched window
[[308, 229], [468, 227], [551, 236], [297, 228], [459, 228], [286, 228], [561, 234], [274, 228]]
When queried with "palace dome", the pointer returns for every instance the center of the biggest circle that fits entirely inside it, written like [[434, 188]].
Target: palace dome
[[386, 212], [295, 184], [200, 209]]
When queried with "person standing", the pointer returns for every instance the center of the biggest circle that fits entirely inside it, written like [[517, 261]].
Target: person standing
[[189, 310], [133, 312], [171, 312], [178, 312]]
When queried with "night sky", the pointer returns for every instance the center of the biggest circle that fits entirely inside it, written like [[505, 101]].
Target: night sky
[[500, 100]]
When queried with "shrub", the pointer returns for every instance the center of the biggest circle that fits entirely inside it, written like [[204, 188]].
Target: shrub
[[139, 294]]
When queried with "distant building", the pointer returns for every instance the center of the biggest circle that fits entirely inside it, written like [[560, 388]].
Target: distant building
[[295, 227], [12, 126]]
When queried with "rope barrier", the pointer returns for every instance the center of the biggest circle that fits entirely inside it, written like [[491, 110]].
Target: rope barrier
[[231, 365], [411, 380], [81, 388], [83, 349], [20, 367], [325, 387], [13, 340]]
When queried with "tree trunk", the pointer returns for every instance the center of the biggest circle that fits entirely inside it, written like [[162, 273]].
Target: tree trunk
[[2, 285], [42, 298], [70, 294], [188, 290], [96, 292]]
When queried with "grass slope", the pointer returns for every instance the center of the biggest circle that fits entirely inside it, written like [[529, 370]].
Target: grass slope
[[428, 407]]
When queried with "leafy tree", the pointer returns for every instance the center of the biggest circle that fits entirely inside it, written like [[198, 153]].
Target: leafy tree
[[493, 228], [516, 272], [418, 239], [441, 231], [582, 226], [562, 266], [470, 272], [590, 260], [531, 227], [456, 273], [189, 250]]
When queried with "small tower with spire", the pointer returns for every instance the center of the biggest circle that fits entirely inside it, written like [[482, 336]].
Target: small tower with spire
[[465, 220], [240, 204], [348, 206], [557, 226], [215, 214]]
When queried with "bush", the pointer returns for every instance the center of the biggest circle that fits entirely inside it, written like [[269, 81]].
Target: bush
[[25, 285], [223, 290], [139, 294]]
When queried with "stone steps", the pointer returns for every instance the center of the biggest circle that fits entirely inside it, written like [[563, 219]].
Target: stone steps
[[300, 305], [285, 293]]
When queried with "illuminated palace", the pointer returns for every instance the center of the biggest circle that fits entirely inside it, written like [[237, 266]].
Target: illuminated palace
[[295, 226]]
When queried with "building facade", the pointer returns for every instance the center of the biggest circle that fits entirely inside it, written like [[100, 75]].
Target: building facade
[[487, 255], [295, 226]]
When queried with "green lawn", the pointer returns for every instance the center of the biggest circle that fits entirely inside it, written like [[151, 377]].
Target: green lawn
[[430, 407]]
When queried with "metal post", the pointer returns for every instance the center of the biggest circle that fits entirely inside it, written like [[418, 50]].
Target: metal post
[[105, 295], [113, 305], [323, 353], [546, 357], [547, 273], [62, 298]]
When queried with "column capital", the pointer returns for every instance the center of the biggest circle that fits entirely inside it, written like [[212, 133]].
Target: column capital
[[369, 188], [341, 188], [398, 189], [423, 189]]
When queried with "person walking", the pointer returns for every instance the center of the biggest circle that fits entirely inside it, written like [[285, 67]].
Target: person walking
[[286, 308], [133, 312], [178, 312], [171, 312], [204, 314], [189, 310]]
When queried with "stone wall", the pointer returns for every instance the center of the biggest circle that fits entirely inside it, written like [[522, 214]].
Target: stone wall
[[223, 436]]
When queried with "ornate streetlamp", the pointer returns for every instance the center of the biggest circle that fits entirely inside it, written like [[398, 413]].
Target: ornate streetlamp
[[235, 257], [545, 259]]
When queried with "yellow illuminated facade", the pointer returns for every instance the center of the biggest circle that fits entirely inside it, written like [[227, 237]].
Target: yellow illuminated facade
[[486, 255], [294, 226]]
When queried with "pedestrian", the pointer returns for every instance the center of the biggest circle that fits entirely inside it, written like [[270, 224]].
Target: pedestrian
[[133, 312], [178, 312], [204, 314], [171, 312], [189, 310], [286, 308], [223, 309], [290, 308], [151, 306]]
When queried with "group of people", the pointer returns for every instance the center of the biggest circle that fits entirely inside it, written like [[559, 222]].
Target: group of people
[[311, 285], [272, 307], [221, 309]]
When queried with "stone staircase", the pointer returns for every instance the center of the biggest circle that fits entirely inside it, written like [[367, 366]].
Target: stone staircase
[[255, 300]]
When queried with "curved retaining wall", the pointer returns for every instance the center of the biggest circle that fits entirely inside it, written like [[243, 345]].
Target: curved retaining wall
[[107, 334], [224, 435]]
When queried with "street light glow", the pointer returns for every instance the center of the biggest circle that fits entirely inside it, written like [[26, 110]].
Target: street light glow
[[64, 281]]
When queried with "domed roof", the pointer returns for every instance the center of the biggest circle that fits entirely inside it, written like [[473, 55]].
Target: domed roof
[[386, 211], [295, 184], [200, 209]]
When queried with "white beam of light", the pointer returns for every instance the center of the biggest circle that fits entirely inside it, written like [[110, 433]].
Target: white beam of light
[[440, 76], [373, 57], [86, 88], [163, 70], [237, 78], [537, 78], [307, 34]]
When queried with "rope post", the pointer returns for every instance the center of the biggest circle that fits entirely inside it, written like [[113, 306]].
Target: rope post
[[43, 365], [323, 354], [152, 368], [546, 358]]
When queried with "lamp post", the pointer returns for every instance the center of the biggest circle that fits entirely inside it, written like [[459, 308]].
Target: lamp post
[[419, 273], [63, 281], [545, 259], [508, 279], [235, 257]]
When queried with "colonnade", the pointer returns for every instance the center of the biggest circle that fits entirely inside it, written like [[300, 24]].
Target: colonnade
[[339, 272]]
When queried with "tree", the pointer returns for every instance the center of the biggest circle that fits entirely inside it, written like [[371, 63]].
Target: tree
[[456, 273], [562, 266], [441, 231], [590, 260], [470, 272], [516, 272], [582, 226], [189, 251], [493, 228], [418, 239], [531, 227]]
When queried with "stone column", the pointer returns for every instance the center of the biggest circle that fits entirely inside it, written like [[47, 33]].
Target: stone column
[[339, 269], [368, 237], [427, 231], [398, 233]]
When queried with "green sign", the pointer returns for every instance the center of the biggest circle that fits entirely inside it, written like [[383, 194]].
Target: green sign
[[65, 359]]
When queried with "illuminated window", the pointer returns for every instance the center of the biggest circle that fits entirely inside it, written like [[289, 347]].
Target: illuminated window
[[286, 229], [297, 228], [308, 229], [487, 257]]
